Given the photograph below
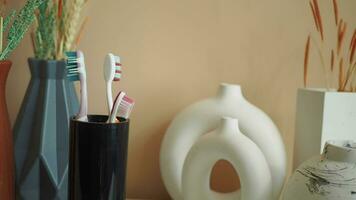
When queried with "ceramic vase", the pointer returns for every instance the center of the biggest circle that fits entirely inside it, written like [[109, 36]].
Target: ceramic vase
[[321, 116], [6, 141], [329, 177], [196, 120], [226, 143], [42, 133]]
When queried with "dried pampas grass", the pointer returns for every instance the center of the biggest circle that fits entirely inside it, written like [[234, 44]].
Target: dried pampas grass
[[306, 60], [338, 54], [58, 25]]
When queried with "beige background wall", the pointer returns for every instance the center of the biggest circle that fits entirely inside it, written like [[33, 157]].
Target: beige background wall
[[176, 52]]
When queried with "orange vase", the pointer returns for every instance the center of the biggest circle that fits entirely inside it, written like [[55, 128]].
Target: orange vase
[[6, 142]]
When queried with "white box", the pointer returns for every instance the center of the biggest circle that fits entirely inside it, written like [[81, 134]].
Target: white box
[[321, 116]]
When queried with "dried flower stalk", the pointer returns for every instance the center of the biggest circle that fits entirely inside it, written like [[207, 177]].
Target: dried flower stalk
[[332, 61], [352, 47], [306, 59], [341, 35], [57, 29], [79, 37], [2, 7], [314, 17], [317, 18], [336, 12], [347, 70], [72, 23], [341, 74], [60, 9]]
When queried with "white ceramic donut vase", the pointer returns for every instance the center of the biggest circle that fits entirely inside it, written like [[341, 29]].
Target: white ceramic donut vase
[[200, 118], [227, 143]]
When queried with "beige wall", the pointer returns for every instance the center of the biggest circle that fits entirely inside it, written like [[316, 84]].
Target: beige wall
[[176, 52]]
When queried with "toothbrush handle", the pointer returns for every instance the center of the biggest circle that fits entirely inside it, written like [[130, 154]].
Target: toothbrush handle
[[83, 100], [109, 96], [112, 116]]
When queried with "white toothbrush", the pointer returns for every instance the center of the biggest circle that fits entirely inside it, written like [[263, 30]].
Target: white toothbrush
[[76, 72], [112, 72]]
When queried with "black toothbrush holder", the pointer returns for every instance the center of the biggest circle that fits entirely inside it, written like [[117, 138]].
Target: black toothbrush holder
[[98, 159]]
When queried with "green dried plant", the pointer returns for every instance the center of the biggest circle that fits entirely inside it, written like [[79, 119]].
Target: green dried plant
[[21, 23], [342, 55], [8, 19], [44, 34], [57, 28]]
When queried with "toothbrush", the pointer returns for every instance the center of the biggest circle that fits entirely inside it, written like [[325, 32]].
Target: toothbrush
[[122, 106], [112, 72], [76, 72]]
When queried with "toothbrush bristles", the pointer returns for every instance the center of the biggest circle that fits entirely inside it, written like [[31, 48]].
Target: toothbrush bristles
[[71, 54], [125, 107], [117, 76], [74, 61]]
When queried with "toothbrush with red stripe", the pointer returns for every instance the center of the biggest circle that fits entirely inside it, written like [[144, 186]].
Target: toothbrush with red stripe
[[122, 108], [112, 72]]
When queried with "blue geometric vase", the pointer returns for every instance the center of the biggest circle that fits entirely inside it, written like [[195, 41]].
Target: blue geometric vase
[[41, 133]]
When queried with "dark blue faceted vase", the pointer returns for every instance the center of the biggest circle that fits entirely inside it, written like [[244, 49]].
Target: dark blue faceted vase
[[41, 133]]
